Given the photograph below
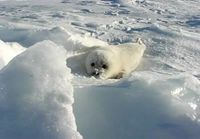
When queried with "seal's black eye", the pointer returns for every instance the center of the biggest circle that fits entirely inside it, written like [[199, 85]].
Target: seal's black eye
[[92, 64], [104, 66]]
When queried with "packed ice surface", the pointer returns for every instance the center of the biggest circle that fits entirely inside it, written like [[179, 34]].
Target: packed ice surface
[[36, 95], [161, 99]]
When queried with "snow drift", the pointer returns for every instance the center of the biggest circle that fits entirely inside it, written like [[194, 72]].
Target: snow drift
[[8, 51], [36, 95], [140, 107]]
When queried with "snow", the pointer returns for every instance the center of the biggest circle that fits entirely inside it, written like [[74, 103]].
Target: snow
[[137, 108], [41, 96], [8, 51], [36, 96], [124, 2]]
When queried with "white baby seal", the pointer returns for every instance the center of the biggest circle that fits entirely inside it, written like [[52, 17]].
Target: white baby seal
[[113, 61]]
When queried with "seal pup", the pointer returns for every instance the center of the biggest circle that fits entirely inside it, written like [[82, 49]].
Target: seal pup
[[113, 61]]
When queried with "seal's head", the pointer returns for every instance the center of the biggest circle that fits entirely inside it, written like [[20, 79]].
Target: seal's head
[[100, 63]]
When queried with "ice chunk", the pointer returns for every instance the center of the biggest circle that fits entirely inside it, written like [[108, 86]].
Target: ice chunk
[[36, 95]]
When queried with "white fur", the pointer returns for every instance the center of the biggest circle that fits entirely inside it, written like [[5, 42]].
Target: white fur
[[117, 60]]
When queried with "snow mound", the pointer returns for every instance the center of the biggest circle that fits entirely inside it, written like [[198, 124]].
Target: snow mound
[[58, 35], [8, 51], [36, 95], [28, 37], [140, 107]]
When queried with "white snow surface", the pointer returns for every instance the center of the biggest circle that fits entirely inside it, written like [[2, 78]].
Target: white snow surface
[[8, 51], [41, 97], [36, 95]]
